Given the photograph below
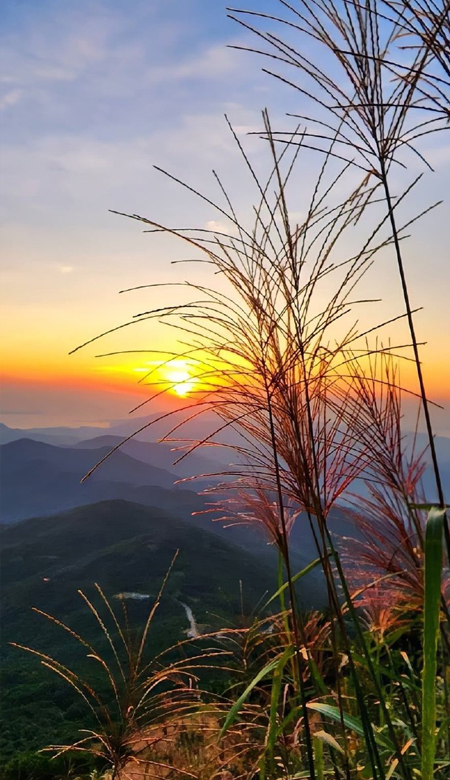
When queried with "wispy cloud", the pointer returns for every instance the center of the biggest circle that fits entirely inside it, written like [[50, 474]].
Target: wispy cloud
[[216, 226], [10, 98], [93, 67], [53, 174], [209, 64]]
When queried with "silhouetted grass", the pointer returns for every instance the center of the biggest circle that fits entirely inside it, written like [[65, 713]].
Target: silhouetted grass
[[278, 357]]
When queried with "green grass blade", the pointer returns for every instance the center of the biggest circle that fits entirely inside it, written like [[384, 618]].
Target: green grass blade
[[299, 575], [432, 598], [274, 698], [334, 714], [427, 507], [350, 721], [281, 593], [289, 652]]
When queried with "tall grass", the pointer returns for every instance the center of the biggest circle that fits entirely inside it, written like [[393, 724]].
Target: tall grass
[[315, 400], [316, 407], [136, 702]]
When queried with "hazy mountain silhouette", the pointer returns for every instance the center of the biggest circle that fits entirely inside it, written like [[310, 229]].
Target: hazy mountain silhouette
[[41, 479], [195, 429], [38, 478], [56, 435], [161, 454]]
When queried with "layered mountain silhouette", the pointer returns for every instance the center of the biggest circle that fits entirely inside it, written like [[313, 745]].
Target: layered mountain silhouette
[[38, 478], [150, 430], [162, 454], [41, 479]]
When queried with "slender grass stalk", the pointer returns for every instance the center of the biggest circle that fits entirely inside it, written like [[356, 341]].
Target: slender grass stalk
[[414, 342], [432, 598], [318, 758], [284, 549]]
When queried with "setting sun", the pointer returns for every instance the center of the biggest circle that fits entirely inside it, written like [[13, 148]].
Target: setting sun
[[180, 378]]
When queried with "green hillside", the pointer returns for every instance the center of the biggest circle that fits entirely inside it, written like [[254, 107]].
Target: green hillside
[[124, 547]]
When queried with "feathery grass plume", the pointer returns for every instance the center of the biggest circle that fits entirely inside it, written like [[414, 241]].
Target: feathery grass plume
[[387, 579], [131, 698], [373, 119], [370, 116], [389, 518], [277, 359], [425, 24]]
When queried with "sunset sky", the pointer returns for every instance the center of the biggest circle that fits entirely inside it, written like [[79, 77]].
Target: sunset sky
[[93, 94]]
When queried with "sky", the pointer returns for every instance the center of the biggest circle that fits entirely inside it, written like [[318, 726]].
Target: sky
[[92, 96]]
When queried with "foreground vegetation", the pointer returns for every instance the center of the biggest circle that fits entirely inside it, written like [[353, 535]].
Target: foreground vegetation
[[362, 690]]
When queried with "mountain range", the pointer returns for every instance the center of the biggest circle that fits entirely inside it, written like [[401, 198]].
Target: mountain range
[[39, 478], [121, 528]]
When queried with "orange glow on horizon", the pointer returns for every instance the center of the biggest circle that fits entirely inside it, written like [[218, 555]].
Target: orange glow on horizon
[[177, 377], [181, 377]]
